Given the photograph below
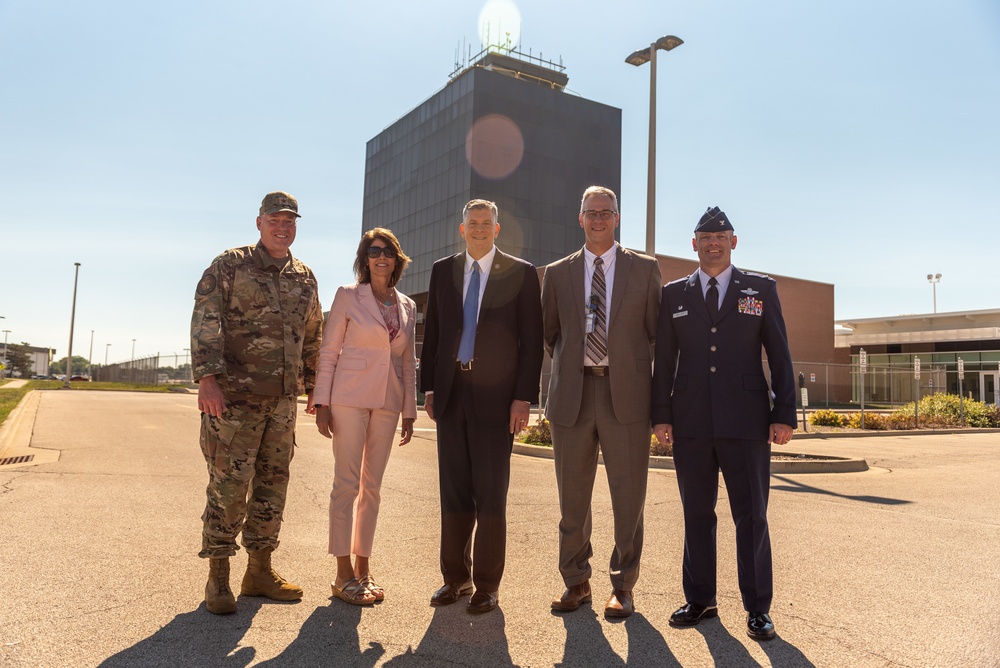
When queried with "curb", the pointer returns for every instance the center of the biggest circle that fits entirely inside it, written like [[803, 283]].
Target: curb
[[808, 463], [897, 432], [15, 435]]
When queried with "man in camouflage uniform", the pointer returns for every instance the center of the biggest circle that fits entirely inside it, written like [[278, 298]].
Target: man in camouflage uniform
[[255, 337]]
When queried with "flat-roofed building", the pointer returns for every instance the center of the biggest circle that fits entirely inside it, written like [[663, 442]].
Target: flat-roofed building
[[939, 341], [502, 129]]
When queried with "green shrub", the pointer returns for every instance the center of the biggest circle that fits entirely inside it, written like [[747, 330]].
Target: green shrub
[[943, 410], [540, 434], [658, 450], [982, 415], [827, 418], [873, 421], [537, 434], [900, 420]]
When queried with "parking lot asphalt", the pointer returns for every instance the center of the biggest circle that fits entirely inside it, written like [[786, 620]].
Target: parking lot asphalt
[[898, 565]]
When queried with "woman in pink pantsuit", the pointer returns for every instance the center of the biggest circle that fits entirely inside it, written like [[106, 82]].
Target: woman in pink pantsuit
[[366, 378]]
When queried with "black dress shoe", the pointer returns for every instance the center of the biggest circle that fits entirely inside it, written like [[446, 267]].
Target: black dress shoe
[[450, 593], [760, 626], [483, 601], [690, 614]]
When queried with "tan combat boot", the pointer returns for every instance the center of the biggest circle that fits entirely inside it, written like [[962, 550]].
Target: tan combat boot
[[262, 580], [218, 596]]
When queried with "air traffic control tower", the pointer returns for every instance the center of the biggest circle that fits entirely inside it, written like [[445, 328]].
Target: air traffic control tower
[[503, 128]]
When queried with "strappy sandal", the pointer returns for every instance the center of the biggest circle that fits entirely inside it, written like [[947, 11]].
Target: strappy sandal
[[373, 587], [353, 592]]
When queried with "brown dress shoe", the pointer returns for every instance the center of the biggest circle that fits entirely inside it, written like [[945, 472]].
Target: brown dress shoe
[[621, 604], [573, 597], [450, 593]]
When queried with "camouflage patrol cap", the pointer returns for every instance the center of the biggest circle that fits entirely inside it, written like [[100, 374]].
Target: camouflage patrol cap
[[713, 220], [279, 201]]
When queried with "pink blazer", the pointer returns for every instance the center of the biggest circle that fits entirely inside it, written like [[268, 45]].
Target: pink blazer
[[358, 365]]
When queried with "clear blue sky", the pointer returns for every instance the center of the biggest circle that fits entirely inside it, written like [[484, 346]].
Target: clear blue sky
[[854, 143]]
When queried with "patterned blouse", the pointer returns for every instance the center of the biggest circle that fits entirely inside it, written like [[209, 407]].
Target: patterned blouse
[[390, 314]]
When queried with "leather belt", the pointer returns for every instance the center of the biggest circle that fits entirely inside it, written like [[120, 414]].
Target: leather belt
[[599, 371]]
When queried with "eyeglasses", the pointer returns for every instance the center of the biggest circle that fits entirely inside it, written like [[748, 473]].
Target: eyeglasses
[[375, 251], [604, 214]]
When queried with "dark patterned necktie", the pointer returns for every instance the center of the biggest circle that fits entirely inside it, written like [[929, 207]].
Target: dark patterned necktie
[[712, 299], [597, 340]]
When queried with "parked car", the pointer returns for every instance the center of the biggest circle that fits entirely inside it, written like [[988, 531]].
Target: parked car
[[80, 378]]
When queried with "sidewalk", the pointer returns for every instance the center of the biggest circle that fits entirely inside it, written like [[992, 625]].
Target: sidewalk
[[895, 566]]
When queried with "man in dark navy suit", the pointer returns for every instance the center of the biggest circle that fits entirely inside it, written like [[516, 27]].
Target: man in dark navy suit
[[479, 370], [712, 402]]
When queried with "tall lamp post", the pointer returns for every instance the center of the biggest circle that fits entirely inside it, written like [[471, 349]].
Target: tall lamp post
[[3, 372], [934, 279], [667, 43], [72, 322], [106, 346]]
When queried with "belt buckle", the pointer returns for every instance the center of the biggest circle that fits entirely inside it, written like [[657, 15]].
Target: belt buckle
[[465, 366]]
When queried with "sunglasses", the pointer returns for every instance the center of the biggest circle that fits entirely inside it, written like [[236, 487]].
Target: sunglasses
[[375, 251]]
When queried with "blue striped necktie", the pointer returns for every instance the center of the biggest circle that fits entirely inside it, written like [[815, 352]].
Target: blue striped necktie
[[469, 316]]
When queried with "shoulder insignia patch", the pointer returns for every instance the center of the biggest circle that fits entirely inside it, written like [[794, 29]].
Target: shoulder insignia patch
[[207, 284], [759, 275]]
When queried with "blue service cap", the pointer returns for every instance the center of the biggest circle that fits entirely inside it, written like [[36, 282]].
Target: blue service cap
[[714, 220]]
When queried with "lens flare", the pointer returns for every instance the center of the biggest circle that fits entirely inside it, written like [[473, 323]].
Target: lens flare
[[494, 146]]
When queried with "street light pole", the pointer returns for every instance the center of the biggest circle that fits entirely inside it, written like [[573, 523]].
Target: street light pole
[[133, 350], [90, 357], [106, 346], [934, 279], [72, 323], [637, 58], [3, 372]]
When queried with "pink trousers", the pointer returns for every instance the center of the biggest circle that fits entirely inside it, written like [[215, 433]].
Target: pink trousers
[[362, 442]]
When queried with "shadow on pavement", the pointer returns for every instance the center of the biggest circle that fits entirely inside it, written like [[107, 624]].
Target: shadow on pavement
[[197, 638], [455, 637], [796, 486], [782, 653], [586, 644], [329, 637], [728, 651], [724, 648], [585, 641], [646, 645]]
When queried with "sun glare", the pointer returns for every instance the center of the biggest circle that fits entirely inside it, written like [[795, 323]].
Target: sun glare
[[500, 24]]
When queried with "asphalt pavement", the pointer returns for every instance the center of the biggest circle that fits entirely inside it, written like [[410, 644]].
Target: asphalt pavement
[[898, 565]]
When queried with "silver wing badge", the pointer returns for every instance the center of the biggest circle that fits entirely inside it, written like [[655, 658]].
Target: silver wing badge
[[750, 291]]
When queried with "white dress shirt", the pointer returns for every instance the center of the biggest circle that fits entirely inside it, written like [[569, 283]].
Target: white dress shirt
[[723, 280], [609, 279]]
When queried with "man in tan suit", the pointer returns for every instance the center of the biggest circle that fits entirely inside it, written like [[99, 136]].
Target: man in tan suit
[[599, 311]]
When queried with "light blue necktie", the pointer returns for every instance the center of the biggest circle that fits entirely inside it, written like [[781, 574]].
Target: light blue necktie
[[468, 343]]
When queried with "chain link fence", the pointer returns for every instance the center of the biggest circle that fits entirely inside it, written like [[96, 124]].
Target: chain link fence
[[896, 384], [140, 371]]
